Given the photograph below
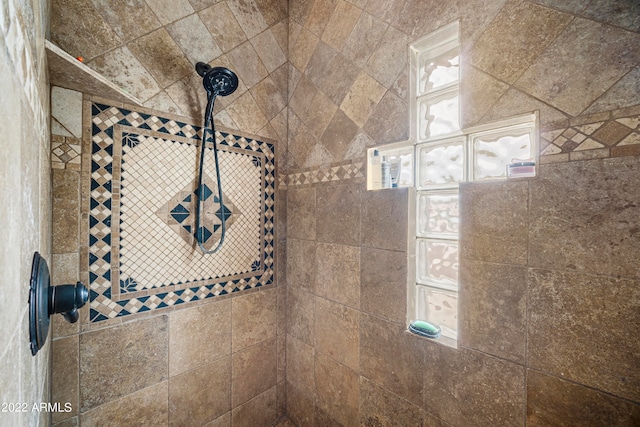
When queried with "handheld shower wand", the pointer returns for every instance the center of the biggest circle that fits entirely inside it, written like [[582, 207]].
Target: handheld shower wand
[[218, 81]]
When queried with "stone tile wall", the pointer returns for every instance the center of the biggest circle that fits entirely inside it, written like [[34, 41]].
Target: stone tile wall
[[150, 48], [547, 265], [25, 206], [216, 361]]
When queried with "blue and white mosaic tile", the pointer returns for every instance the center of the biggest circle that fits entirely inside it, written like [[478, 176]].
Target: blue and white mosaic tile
[[142, 253]]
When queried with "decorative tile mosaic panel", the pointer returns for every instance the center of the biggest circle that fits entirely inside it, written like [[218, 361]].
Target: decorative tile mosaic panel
[[142, 253], [65, 152]]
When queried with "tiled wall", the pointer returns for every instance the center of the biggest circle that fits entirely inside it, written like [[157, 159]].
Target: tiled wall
[[150, 48], [25, 206], [548, 265], [167, 352]]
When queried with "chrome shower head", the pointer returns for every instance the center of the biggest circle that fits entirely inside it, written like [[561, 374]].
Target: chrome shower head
[[218, 81]]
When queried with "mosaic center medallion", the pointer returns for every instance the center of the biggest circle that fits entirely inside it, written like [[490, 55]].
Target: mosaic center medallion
[[179, 214]]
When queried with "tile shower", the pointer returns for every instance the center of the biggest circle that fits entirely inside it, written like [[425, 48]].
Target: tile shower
[[542, 260]]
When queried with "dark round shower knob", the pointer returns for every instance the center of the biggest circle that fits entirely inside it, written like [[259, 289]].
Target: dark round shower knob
[[45, 300]]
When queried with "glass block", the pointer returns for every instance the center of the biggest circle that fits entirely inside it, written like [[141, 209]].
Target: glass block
[[438, 214], [439, 307], [438, 263], [493, 152], [441, 165], [437, 69], [438, 116]]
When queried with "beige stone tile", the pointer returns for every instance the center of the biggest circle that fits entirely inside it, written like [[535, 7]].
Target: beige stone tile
[[364, 38], [338, 214], [301, 213], [335, 78], [388, 122], [383, 284], [253, 371], [301, 143], [69, 422], [163, 102], [479, 91], [259, 411], [281, 402], [300, 362], [118, 16], [337, 332], [268, 97], [392, 358], [193, 38], [300, 52], [65, 359], [249, 17], [222, 421], [381, 407], [161, 56], [119, 360], [338, 390], [622, 94], [66, 211], [282, 359], [222, 25], [494, 222], [304, 91], [389, 58], [199, 335], [338, 273], [473, 389], [319, 14], [320, 63], [582, 327], [66, 109], [515, 102], [339, 133], [494, 316], [364, 95], [247, 64], [273, 11], [200, 395], [319, 114], [594, 56], [253, 318], [552, 401], [299, 10], [269, 51], [385, 219], [605, 206], [145, 407], [341, 24], [170, 10], [246, 113], [92, 38], [621, 14], [387, 10], [515, 39], [300, 407], [301, 264], [323, 418], [301, 315]]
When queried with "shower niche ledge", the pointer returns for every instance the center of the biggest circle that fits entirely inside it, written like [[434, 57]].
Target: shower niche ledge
[[67, 72]]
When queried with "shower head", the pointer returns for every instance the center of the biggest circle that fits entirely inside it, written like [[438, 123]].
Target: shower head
[[218, 81]]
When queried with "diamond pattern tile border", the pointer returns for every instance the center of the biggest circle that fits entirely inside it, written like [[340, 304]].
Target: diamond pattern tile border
[[111, 297]]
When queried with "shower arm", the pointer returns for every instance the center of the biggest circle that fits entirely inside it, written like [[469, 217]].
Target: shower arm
[[209, 123]]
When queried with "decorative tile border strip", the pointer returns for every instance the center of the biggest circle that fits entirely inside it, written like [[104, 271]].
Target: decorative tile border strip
[[605, 135], [66, 152], [323, 174], [111, 129]]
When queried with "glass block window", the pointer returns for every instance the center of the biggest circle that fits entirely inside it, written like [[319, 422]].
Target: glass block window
[[446, 155]]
